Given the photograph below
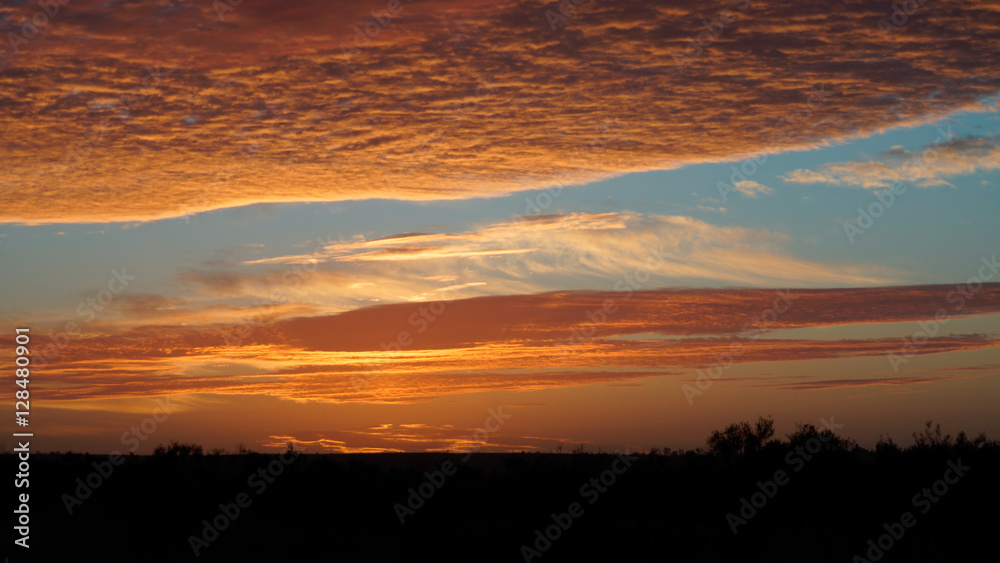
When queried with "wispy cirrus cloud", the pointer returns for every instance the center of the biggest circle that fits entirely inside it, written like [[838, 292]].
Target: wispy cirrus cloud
[[421, 246], [451, 100], [929, 167], [548, 250], [528, 254]]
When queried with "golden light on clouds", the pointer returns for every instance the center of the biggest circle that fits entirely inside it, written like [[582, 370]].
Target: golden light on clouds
[[415, 351], [180, 110]]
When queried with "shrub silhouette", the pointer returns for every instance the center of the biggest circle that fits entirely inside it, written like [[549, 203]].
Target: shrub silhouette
[[831, 442], [885, 446], [179, 449], [741, 438], [241, 449]]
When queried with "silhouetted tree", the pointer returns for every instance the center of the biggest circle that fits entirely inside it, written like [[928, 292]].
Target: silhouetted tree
[[831, 442], [885, 445], [176, 448], [930, 438], [741, 438], [980, 441]]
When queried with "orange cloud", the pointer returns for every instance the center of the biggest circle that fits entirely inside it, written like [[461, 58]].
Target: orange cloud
[[927, 168], [135, 111], [406, 437], [601, 245], [409, 352], [888, 381]]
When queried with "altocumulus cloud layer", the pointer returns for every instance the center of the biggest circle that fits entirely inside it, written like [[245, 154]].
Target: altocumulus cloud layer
[[273, 102]]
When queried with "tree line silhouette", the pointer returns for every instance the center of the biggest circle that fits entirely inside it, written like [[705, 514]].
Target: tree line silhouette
[[669, 505]]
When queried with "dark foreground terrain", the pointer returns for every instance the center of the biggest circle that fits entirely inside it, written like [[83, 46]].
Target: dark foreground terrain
[[934, 501]]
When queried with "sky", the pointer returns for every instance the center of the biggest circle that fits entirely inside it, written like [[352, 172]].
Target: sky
[[369, 226]]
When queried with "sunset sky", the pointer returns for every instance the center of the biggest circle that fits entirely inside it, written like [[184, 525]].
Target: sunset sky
[[289, 230]]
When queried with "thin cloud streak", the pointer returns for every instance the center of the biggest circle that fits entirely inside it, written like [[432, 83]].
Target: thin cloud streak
[[494, 343], [601, 246]]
